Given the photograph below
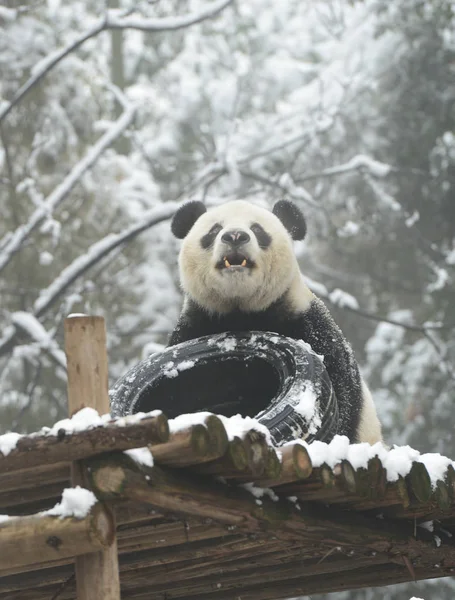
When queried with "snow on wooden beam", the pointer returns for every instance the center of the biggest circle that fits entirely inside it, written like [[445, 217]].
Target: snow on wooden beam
[[52, 536], [61, 444], [196, 443], [97, 574], [119, 478]]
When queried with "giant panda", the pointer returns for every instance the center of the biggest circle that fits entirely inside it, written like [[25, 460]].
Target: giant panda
[[239, 272]]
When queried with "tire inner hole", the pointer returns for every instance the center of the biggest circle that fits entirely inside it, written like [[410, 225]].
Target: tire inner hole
[[235, 384]]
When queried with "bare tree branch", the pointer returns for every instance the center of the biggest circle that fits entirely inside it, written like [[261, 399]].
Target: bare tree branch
[[17, 238], [112, 21], [424, 329], [31, 392]]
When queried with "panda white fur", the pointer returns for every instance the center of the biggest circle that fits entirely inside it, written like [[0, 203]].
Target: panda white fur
[[239, 272]]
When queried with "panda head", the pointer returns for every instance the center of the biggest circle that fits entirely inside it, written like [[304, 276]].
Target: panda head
[[237, 255]]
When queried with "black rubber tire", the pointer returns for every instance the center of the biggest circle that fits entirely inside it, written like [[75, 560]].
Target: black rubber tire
[[257, 374]]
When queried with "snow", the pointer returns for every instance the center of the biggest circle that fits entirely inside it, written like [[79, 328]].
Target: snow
[[172, 369], [76, 502], [185, 365], [349, 229], [228, 344], [259, 492], [141, 456], [343, 299], [187, 420], [86, 418], [7, 14], [236, 426], [8, 442], [436, 465], [45, 258], [306, 346], [396, 461], [169, 370], [306, 402], [4, 518]]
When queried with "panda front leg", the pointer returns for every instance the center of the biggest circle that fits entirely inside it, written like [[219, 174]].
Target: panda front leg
[[315, 325]]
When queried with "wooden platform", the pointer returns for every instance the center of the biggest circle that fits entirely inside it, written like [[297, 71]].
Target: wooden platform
[[189, 528]]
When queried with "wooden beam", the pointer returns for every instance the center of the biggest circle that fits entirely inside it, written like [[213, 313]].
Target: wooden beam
[[41, 450], [97, 574], [40, 538], [117, 476]]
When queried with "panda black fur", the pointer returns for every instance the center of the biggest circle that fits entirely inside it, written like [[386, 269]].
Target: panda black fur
[[239, 272]]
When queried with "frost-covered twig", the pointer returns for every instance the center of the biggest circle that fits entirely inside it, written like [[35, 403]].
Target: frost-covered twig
[[113, 20], [18, 237], [348, 302], [424, 329]]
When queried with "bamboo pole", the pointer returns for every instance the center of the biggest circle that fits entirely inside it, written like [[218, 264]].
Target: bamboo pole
[[97, 574]]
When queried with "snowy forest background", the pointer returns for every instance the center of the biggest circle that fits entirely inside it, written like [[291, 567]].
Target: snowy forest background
[[111, 113]]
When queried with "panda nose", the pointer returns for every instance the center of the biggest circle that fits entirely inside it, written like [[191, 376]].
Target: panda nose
[[235, 237]]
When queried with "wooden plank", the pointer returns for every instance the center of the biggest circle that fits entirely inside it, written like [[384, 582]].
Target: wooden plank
[[97, 574]]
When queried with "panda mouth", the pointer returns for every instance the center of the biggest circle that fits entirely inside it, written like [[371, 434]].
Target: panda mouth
[[235, 261]]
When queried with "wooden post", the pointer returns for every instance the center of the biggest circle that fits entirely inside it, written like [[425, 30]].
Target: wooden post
[[97, 574]]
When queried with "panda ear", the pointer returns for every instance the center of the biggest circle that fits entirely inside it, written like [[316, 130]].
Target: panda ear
[[292, 218], [186, 217]]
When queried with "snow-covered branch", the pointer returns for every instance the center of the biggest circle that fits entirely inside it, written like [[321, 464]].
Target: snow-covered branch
[[97, 252], [358, 162], [83, 263], [348, 302], [113, 20], [166, 23], [26, 322], [286, 184], [18, 237]]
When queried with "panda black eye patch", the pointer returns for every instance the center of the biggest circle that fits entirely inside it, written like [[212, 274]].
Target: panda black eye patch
[[208, 239], [263, 238]]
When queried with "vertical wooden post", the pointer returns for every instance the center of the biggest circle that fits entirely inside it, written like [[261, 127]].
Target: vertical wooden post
[[97, 574]]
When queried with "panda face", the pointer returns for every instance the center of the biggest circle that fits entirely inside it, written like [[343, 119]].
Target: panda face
[[237, 256]]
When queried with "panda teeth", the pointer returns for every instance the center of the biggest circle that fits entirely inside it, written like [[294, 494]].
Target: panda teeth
[[244, 262], [227, 264]]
